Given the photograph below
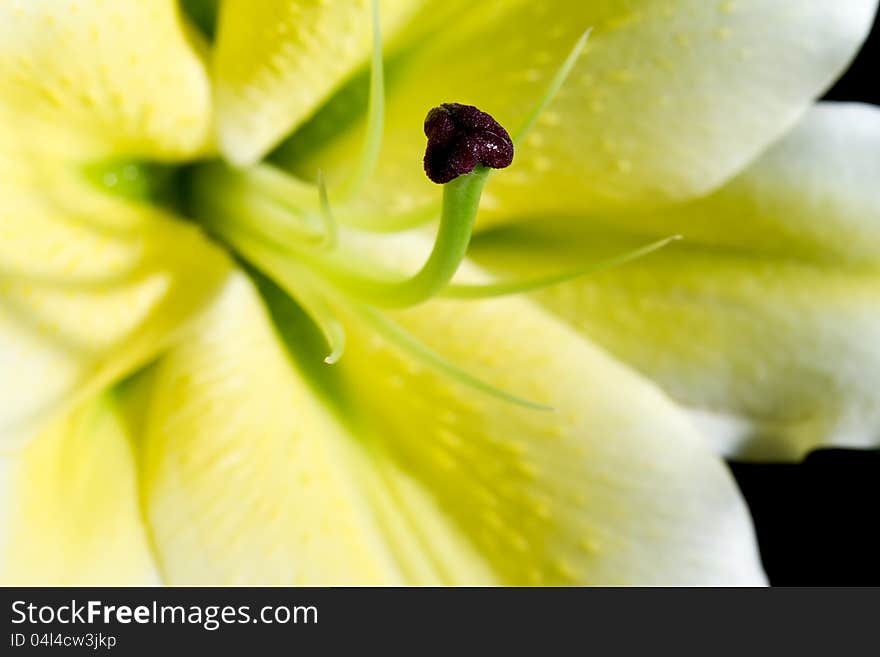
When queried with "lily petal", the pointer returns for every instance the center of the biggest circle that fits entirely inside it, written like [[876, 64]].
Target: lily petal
[[246, 475], [69, 507], [277, 60], [91, 285], [252, 476], [766, 317], [99, 78], [668, 100]]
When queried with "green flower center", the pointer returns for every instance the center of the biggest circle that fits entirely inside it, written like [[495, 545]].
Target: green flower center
[[304, 237]]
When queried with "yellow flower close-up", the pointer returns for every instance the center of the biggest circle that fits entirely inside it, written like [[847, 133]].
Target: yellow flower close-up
[[244, 339]]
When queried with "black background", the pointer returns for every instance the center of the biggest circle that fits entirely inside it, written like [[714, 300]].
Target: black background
[[817, 521]]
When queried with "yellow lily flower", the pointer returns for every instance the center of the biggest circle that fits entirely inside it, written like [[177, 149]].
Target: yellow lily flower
[[167, 416]]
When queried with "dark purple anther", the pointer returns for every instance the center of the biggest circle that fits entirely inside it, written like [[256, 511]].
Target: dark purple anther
[[459, 138]]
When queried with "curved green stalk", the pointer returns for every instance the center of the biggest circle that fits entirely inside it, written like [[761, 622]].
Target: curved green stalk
[[461, 200]]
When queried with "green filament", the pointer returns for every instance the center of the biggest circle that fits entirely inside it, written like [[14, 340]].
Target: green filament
[[552, 89], [372, 145], [394, 223], [295, 280], [330, 231], [428, 357], [482, 291], [319, 310], [267, 179]]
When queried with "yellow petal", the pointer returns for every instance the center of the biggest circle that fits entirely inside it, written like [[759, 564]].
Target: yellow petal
[[766, 317], [69, 506], [101, 77], [277, 60], [90, 285], [384, 472], [668, 100], [247, 477]]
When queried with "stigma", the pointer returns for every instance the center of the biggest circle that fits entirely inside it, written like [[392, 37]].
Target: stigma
[[459, 138]]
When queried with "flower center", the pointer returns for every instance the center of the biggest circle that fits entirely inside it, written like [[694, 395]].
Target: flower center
[[285, 227]]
